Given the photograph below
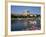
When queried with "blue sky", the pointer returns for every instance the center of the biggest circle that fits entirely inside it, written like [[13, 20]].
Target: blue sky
[[20, 9]]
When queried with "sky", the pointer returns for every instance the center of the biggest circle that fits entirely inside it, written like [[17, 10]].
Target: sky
[[21, 9]]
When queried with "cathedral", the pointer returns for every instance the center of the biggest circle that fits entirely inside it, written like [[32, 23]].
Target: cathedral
[[27, 13]]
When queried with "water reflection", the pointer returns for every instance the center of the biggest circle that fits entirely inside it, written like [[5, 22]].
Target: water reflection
[[24, 24]]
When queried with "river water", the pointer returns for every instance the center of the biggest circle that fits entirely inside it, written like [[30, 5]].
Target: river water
[[25, 24]]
